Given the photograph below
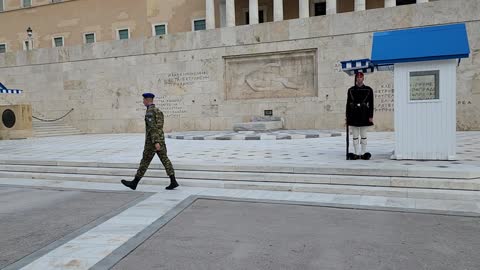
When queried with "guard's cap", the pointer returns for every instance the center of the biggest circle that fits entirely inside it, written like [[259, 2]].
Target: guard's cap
[[148, 95]]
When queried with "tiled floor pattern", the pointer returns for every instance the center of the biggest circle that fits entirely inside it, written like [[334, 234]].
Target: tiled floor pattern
[[327, 151]]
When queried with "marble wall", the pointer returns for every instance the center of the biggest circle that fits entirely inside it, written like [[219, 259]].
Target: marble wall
[[208, 80]]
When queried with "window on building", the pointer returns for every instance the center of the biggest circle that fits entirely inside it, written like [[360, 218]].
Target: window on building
[[261, 16], [89, 38], [3, 48], [406, 2], [58, 42], [123, 34], [320, 8], [159, 29], [1, 5], [26, 3], [57, 1], [199, 25]]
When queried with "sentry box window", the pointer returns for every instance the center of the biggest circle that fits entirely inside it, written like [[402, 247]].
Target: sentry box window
[[424, 85]]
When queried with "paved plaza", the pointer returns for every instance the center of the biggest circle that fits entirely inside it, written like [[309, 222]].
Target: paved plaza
[[256, 112], [226, 234], [221, 228], [337, 226], [316, 152], [32, 218]]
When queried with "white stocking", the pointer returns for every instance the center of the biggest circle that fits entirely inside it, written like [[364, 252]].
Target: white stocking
[[363, 141], [355, 136]]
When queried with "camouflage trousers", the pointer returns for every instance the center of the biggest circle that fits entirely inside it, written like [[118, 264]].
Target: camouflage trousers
[[148, 154]]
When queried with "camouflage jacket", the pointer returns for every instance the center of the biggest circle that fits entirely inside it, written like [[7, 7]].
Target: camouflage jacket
[[154, 125]]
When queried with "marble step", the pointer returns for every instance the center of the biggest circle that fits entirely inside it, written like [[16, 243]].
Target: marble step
[[66, 130], [463, 195], [59, 132], [51, 134], [48, 124], [50, 129], [44, 128], [378, 181], [386, 171]]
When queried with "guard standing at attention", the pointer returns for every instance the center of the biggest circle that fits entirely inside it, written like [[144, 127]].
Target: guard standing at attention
[[359, 115]]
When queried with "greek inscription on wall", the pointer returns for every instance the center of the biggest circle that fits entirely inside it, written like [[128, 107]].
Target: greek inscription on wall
[[185, 78], [384, 98], [464, 102], [337, 67], [424, 85], [171, 106]]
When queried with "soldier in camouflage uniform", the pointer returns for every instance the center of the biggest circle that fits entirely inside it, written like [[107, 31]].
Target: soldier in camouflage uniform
[[154, 143]]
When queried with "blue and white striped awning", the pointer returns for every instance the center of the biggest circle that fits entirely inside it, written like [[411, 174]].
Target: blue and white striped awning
[[10, 91], [352, 67], [5, 90]]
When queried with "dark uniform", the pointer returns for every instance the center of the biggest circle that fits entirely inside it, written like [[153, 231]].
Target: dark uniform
[[359, 112], [359, 106], [153, 134]]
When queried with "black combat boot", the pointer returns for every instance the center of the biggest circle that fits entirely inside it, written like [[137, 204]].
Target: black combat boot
[[366, 156], [173, 183], [131, 184]]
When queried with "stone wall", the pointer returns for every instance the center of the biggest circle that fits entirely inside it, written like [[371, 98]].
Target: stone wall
[[204, 79]]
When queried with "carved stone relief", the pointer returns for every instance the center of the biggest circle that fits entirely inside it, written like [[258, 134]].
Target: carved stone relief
[[273, 75]]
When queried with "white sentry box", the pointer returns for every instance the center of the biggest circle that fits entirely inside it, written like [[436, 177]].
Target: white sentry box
[[425, 110], [424, 61]]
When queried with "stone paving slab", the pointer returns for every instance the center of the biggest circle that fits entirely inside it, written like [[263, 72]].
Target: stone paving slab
[[303, 155], [253, 135], [221, 234], [33, 218], [94, 245]]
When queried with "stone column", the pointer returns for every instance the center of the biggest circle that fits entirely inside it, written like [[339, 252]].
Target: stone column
[[253, 11], [360, 5], [390, 3], [422, 1], [230, 7], [331, 7], [277, 10], [210, 14], [303, 8]]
